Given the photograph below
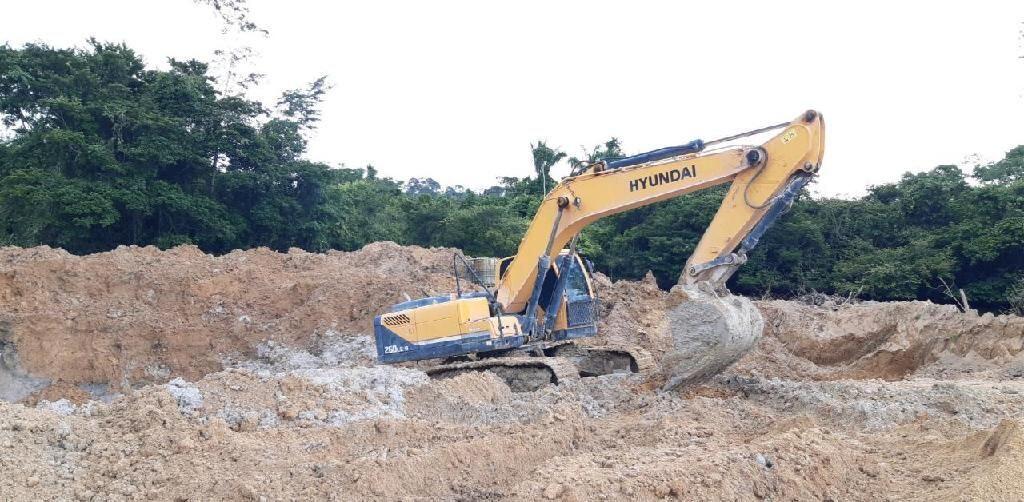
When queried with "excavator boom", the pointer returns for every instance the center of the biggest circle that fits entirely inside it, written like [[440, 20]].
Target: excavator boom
[[758, 176]]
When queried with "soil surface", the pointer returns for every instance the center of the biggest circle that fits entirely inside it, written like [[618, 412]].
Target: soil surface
[[174, 375]]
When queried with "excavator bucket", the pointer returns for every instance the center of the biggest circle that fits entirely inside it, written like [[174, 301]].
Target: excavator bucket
[[710, 330]]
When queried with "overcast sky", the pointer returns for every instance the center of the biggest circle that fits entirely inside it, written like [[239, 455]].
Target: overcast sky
[[458, 90]]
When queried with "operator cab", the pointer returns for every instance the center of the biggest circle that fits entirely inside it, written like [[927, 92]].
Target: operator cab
[[577, 308], [578, 315]]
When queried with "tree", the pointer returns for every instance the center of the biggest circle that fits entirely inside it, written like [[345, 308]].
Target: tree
[[544, 158], [111, 153], [100, 151], [1007, 170], [303, 105], [425, 186], [611, 149]]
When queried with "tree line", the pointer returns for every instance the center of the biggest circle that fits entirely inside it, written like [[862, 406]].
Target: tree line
[[96, 150]]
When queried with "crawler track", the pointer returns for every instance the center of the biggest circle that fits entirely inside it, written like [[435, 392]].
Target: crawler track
[[605, 359], [522, 374]]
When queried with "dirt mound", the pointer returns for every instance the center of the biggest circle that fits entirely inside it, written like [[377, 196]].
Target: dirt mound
[[251, 376], [632, 313], [139, 315], [886, 340]]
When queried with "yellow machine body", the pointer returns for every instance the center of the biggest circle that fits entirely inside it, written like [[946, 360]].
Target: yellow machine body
[[453, 318]]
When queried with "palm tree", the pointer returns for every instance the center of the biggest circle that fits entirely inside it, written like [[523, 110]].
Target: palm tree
[[544, 158]]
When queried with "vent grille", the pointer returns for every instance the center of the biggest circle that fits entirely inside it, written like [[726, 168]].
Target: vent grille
[[582, 312], [396, 320]]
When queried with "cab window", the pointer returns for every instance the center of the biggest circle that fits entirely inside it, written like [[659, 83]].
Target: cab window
[[576, 283]]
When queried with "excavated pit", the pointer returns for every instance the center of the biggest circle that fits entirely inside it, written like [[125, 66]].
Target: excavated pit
[[174, 375]]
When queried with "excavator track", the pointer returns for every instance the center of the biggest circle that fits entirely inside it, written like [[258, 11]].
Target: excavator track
[[596, 360], [643, 360], [522, 374]]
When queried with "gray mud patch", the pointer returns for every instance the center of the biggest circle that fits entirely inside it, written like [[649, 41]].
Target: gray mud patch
[[15, 384]]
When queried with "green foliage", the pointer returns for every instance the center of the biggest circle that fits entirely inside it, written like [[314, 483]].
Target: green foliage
[[902, 241], [1010, 169], [105, 152], [97, 151], [1016, 297], [658, 238], [303, 105], [610, 150]]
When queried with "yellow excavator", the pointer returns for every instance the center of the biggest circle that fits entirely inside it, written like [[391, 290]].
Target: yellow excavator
[[523, 326]]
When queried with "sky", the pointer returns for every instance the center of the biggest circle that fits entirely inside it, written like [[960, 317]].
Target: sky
[[458, 91]]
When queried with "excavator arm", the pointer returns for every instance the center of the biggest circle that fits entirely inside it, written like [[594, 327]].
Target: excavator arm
[[765, 180]]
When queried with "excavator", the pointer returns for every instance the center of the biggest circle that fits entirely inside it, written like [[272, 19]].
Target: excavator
[[525, 325]]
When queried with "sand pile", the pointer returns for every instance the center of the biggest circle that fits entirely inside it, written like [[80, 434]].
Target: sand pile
[[251, 377], [111, 321]]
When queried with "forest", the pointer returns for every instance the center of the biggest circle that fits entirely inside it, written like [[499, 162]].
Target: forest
[[97, 151]]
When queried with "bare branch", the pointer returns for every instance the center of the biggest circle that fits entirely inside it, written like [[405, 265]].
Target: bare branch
[[960, 300], [234, 14]]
